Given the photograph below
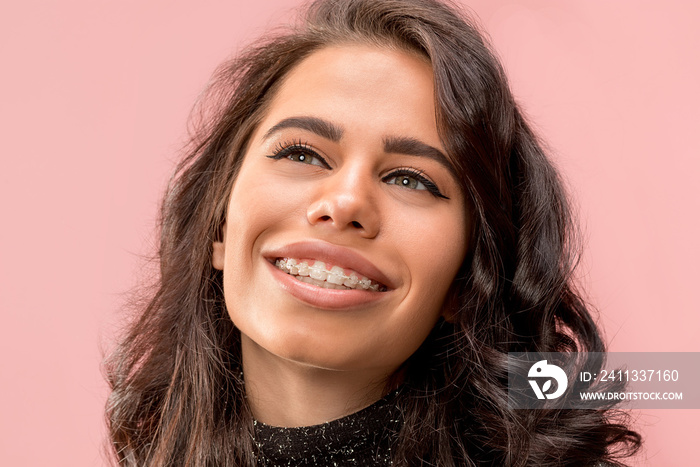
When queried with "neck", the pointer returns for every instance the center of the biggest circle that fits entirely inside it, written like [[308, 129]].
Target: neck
[[286, 393]]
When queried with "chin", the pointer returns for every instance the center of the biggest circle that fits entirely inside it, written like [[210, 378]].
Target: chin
[[321, 353]]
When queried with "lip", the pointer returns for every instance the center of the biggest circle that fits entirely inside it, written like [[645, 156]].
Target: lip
[[336, 255]]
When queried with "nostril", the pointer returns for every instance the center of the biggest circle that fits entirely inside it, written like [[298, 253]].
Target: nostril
[[356, 224], [326, 218]]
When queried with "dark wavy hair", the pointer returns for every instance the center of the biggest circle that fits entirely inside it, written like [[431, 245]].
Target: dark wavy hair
[[177, 392]]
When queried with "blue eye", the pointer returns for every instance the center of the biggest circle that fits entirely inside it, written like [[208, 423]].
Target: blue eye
[[413, 179], [299, 152]]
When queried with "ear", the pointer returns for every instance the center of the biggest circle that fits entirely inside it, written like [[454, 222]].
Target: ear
[[450, 305], [218, 251], [449, 315]]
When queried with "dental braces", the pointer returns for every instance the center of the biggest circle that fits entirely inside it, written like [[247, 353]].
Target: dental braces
[[336, 276]]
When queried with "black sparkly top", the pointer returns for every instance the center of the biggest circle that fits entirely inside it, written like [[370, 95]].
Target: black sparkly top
[[363, 438]]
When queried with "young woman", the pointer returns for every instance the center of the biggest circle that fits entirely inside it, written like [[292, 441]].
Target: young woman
[[363, 229]]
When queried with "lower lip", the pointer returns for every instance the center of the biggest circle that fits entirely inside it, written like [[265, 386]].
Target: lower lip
[[318, 297]]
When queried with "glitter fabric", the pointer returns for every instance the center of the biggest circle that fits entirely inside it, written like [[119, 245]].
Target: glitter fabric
[[363, 438]]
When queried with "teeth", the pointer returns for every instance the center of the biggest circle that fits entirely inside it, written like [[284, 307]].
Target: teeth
[[318, 275], [318, 271], [336, 276], [292, 266], [303, 269], [351, 281]]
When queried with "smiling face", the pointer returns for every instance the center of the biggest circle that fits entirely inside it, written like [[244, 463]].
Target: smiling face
[[345, 185]]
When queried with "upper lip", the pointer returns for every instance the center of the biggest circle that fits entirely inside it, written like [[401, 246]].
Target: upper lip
[[334, 254]]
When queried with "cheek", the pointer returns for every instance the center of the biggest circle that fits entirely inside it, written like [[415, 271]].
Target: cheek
[[450, 243], [435, 246], [260, 197], [259, 206], [256, 206], [432, 245]]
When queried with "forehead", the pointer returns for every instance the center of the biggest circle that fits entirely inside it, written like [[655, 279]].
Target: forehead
[[372, 64], [362, 87]]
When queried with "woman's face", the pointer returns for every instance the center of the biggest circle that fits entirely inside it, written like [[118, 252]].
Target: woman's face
[[347, 178]]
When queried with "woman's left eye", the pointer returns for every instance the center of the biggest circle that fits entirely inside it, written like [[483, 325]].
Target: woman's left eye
[[300, 153], [406, 181], [414, 180]]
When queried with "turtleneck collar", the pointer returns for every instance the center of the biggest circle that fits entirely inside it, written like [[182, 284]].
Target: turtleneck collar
[[363, 438]]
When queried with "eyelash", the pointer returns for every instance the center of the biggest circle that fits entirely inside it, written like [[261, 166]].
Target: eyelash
[[285, 150], [288, 149], [420, 176]]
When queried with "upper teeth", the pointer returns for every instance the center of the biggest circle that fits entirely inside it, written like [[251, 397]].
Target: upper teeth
[[333, 278]]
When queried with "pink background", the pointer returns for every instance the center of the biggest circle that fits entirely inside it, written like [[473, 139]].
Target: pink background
[[94, 97]]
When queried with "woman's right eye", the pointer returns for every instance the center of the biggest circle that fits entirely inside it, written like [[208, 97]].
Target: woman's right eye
[[300, 153]]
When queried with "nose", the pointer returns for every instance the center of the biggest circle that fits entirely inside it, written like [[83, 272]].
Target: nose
[[345, 202]]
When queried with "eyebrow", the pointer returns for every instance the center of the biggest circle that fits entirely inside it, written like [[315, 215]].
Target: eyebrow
[[319, 126], [414, 147], [392, 144]]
